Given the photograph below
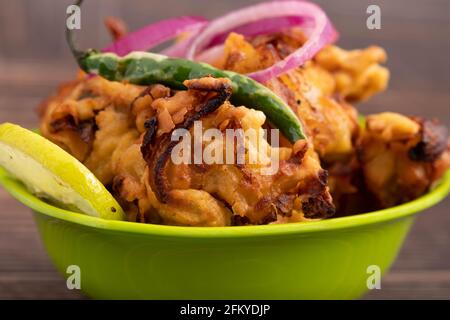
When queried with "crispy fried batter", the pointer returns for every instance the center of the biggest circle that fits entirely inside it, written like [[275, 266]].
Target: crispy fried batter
[[122, 133], [401, 157], [357, 73], [131, 148], [309, 91], [157, 152], [242, 188], [69, 118], [319, 93]]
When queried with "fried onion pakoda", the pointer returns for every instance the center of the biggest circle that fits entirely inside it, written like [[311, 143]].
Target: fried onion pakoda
[[321, 93], [129, 151], [120, 121]]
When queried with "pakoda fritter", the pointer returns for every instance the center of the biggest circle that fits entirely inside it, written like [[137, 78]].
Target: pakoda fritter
[[320, 93], [127, 146], [402, 156], [124, 134]]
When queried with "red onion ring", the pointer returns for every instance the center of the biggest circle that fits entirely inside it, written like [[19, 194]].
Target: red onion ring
[[211, 55], [265, 26], [322, 34], [154, 34], [179, 48], [253, 29]]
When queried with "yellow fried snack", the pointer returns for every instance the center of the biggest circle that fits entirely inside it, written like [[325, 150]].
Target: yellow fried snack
[[401, 157], [131, 134], [122, 133]]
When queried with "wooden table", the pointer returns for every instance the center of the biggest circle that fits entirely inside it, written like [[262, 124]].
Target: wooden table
[[34, 59]]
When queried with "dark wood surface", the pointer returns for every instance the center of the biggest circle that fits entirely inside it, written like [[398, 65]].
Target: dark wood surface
[[34, 59]]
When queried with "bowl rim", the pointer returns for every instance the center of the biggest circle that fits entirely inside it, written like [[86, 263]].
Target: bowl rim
[[435, 195]]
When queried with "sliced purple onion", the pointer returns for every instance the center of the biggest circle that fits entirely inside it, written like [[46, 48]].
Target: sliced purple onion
[[150, 36], [179, 48], [212, 54], [322, 33], [265, 26]]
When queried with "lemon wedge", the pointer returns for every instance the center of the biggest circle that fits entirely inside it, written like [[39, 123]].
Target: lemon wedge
[[51, 173]]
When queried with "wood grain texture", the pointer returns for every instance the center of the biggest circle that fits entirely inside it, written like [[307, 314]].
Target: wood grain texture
[[34, 59]]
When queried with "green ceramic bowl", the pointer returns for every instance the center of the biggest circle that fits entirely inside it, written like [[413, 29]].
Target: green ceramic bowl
[[317, 260]]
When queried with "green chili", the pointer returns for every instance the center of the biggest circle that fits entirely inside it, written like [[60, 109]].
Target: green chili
[[144, 68]]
